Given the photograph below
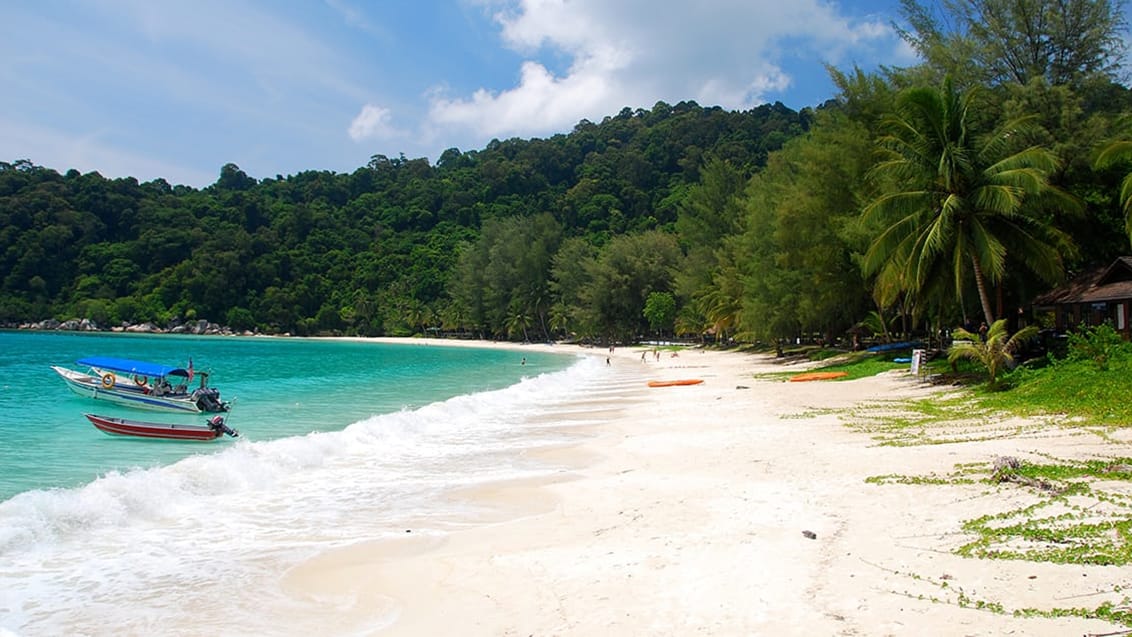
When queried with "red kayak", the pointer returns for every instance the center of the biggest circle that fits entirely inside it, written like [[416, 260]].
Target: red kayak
[[160, 430]]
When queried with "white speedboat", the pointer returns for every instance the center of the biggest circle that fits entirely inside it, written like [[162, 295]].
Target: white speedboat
[[143, 385]]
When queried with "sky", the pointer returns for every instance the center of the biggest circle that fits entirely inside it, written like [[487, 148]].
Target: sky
[[177, 89]]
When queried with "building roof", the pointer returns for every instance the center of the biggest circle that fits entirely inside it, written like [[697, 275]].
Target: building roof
[[1119, 271], [1119, 291], [1111, 283]]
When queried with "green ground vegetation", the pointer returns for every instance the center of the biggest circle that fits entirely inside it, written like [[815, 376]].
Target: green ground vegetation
[[1086, 386], [1076, 512]]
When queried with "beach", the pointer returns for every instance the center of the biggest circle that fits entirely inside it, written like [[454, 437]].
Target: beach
[[739, 506]]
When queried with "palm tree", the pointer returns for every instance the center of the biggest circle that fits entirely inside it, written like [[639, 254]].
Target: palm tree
[[518, 321], [995, 351], [719, 310], [560, 317], [1117, 152], [956, 205]]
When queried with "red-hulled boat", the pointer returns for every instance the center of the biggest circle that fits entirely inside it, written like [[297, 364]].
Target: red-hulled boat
[[212, 430]]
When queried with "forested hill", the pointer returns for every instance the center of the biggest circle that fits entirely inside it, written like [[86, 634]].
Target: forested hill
[[374, 251]]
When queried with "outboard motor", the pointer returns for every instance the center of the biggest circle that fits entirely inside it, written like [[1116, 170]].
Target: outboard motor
[[217, 424], [208, 399]]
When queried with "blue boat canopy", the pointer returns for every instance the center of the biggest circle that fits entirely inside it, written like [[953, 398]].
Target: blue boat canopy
[[888, 347], [127, 366]]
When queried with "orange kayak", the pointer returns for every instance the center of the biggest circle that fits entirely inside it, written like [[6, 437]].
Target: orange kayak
[[817, 376], [672, 383]]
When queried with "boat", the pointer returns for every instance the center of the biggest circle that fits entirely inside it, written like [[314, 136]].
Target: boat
[[143, 385], [675, 383], [808, 376], [211, 430]]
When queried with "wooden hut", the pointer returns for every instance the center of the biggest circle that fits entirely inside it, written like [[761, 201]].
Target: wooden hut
[[1104, 294]]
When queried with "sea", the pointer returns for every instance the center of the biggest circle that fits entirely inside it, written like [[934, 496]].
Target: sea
[[341, 441]]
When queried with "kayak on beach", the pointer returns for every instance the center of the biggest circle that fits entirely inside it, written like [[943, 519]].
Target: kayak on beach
[[673, 383], [817, 376]]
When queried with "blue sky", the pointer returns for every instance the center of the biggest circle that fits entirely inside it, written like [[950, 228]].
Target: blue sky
[[154, 88]]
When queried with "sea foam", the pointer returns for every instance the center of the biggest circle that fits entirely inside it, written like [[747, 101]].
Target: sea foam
[[174, 535]]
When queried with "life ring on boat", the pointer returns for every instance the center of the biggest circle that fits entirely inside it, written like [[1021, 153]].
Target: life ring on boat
[[108, 381], [140, 380]]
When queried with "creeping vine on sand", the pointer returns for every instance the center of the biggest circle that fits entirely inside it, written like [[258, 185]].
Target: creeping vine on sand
[[1079, 512]]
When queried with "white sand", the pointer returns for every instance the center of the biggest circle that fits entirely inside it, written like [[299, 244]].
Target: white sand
[[685, 513]]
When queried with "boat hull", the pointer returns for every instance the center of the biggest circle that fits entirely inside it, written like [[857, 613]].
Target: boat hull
[[152, 430], [122, 394]]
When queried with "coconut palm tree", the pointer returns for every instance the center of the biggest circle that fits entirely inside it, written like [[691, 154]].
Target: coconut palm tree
[[518, 321], [956, 205], [995, 350], [720, 311]]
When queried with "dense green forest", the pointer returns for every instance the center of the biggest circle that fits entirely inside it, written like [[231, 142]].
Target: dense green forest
[[915, 198]]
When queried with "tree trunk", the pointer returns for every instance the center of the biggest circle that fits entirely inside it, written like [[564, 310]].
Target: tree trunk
[[1000, 299], [981, 284]]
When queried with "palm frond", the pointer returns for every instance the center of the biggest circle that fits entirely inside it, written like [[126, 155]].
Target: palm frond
[[1115, 153]]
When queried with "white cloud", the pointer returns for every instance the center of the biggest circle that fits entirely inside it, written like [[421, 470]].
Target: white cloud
[[767, 80], [540, 100], [733, 53], [207, 82], [371, 123]]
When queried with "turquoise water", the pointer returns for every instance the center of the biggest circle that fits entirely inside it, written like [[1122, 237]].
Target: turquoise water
[[343, 443], [281, 387]]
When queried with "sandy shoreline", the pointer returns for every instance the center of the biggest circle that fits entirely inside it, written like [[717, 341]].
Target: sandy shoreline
[[736, 507]]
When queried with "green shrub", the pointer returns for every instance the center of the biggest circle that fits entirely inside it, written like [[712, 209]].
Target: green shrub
[[1099, 344]]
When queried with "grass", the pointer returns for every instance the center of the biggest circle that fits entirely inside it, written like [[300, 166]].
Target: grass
[[1076, 389], [855, 364], [864, 366]]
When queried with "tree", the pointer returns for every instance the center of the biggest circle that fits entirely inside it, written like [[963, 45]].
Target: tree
[[995, 351], [660, 310], [239, 318], [792, 271], [518, 322], [623, 275], [505, 273], [955, 204], [709, 212], [570, 278], [1060, 41], [232, 178], [297, 251]]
